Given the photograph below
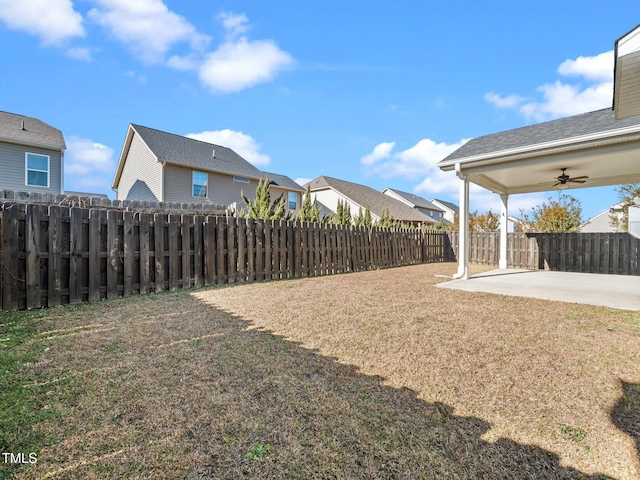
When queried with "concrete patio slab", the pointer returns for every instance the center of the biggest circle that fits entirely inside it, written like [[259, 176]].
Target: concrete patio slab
[[616, 291]]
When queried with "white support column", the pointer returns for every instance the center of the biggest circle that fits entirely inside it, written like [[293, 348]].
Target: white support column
[[463, 221], [504, 222]]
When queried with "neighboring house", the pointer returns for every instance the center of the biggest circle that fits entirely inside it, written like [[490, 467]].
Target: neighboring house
[[31, 155], [512, 224], [601, 223], [450, 209], [416, 202], [163, 167], [329, 190]]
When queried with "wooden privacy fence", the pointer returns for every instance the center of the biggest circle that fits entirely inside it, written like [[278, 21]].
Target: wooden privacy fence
[[614, 253], [51, 255]]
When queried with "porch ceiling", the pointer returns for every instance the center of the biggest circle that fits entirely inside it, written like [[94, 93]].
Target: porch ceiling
[[529, 159], [607, 165]]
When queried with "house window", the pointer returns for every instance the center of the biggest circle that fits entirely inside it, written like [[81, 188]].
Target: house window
[[37, 170], [293, 200], [241, 179], [439, 214], [431, 213], [200, 184]]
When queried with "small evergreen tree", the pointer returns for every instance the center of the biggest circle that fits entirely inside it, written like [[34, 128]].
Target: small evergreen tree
[[309, 211], [262, 208], [363, 219], [386, 220], [342, 215], [439, 225]]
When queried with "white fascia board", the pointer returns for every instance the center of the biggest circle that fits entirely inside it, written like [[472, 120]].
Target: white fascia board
[[400, 198], [628, 43], [608, 137]]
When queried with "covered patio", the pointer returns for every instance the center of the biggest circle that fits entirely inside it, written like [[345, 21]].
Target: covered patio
[[599, 148], [619, 291]]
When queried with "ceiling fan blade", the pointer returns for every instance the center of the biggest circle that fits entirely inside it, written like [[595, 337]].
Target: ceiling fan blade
[[578, 178], [556, 184], [573, 180]]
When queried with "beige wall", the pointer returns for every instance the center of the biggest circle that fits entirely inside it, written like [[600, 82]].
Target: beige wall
[[141, 177]]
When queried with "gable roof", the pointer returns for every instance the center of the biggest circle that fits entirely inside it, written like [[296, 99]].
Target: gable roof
[[577, 126], [282, 181], [35, 133], [365, 196], [184, 151], [415, 200], [449, 205], [179, 150]]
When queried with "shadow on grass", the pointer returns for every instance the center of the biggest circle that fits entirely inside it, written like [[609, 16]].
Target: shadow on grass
[[172, 387], [323, 419], [626, 413]]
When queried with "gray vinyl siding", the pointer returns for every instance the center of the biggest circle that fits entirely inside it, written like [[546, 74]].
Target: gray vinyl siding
[[12, 166], [221, 189], [276, 192], [141, 177]]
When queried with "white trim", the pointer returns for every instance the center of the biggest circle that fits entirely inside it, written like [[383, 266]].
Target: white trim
[[241, 179], [553, 147], [205, 185], [27, 169], [289, 201]]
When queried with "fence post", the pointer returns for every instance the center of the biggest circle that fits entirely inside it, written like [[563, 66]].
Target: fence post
[[32, 242], [54, 264]]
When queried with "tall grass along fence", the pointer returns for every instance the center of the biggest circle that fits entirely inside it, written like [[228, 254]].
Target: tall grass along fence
[[612, 253], [53, 255]]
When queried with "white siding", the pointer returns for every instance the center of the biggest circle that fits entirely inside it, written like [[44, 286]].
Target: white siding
[[599, 224], [329, 198], [141, 177], [12, 165]]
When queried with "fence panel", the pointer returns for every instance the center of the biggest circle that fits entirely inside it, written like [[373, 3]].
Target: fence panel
[[53, 255]]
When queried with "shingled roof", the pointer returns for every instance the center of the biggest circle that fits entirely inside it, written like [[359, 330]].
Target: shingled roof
[[581, 125], [282, 181], [415, 200], [184, 151], [179, 150], [365, 196], [35, 132]]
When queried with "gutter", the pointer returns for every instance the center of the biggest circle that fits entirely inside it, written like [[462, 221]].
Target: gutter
[[600, 139]]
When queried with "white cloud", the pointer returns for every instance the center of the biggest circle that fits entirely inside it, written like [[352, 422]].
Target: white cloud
[[302, 180], [381, 151], [241, 143], [420, 162], [499, 101], [242, 64], [88, 165], [421, 159], [185, 62], [560, 99], [234, 24], [597, 68], [80, 53], [148, 27], [54, 21]]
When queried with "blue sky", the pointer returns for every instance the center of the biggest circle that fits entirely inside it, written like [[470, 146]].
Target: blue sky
[[367, 91]]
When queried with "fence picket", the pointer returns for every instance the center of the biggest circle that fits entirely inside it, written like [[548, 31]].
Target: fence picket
[[112, 253]]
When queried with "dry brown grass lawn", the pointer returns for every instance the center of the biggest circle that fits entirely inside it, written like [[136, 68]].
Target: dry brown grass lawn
[[369, 375]]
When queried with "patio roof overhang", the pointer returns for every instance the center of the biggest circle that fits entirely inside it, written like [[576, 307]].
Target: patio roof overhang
[[607, 158]]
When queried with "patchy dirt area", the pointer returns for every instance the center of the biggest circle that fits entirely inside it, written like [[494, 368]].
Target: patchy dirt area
[[369, 375]]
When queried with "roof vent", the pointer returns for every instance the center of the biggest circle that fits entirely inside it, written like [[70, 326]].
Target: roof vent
[[22, 125], [213, 153]]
